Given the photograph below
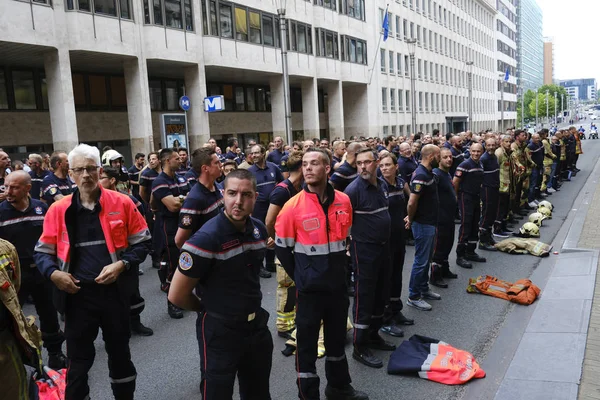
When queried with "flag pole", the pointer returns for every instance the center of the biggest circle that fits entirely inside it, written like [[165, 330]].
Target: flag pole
[[379, 42]]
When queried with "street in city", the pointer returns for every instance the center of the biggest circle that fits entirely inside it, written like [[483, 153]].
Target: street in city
[[168, 362]]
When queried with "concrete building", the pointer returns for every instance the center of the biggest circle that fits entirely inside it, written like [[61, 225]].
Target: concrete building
[[581, 89], [506, 56], [104, 71], [530, 47], [548, 61]]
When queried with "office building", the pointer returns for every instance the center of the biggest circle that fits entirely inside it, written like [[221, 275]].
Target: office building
[[581, 89], [106, 72], [530, 45], [506, 56], [548, 61]]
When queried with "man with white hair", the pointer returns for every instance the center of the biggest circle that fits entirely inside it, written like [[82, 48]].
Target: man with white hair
[[89, 242]]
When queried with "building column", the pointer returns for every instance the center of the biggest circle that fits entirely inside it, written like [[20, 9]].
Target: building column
[[138, 106], [63, 121], [197, 119], [277, 106], [310, 109], [335, 104]]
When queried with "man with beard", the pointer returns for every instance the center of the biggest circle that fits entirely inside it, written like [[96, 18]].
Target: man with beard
[[37, 175], [520, 165], [56, 184], [467, 184], [457, 153], [423, 207], [134, 174], [406, 163], [506, 189], [444, 240], [370, 254], [489, 195]]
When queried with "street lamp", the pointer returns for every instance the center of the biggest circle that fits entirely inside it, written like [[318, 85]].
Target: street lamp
[[562, 108], [502, 102], [547, 112], [470, 76], [286, 74], [555, 109], [536, 109], [412, 45], [522, 108]]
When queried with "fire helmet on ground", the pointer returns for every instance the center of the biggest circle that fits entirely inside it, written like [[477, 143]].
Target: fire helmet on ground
[[547, 204], [530, 229], [545, 211], [536, 218]]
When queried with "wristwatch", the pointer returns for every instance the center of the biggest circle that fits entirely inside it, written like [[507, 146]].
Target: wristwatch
[[181, 198], [127, 264]]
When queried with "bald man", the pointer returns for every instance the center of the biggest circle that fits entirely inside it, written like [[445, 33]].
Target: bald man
[[26, 216], [347, 172], [467, 182]]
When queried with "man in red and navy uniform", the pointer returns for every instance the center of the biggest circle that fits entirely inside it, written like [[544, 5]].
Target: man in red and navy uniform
[[221, 261], [37, 175], [168, 194], [57, 184]]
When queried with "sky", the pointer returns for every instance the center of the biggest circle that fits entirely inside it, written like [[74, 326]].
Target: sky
[[573, 24]]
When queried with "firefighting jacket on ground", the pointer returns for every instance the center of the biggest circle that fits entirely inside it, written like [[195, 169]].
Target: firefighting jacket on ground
[[524, 246], [434, 360], [522, 291], [125, 231], [310, 239], [25, 332]]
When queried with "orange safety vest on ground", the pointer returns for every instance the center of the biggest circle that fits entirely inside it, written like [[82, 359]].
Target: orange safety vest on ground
[[522, 291]]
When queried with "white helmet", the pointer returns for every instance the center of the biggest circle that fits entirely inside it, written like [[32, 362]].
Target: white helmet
[[530, 229], [536, 218], [547, 204], [110, 155], [545, 211]]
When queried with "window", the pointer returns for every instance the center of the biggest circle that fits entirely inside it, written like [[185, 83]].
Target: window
[[241, 24], [392, 99], [255, 30], [382, 57], [406, 64], [121, 8], [177, 13], [398, 27], [24, 90], [3, 91], [240, 104], [117, 92], [155, 95], [327, 43], [226, 21], [267, 22], [405, 29], [251, 99], [242, 97], [300, 37], [400, 100], [353, 8], [399, 63], [354, 50], [326, 3], [384, 99], [98, 94]]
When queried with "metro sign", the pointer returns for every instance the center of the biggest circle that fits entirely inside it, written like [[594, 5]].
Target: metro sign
[[214, 103]]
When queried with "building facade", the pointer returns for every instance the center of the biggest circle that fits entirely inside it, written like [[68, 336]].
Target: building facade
[[506, 57], [548, 61], [530, 50], [104, 71], [581, 89]]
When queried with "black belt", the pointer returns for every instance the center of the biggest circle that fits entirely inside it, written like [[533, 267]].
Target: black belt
[[240, 318]]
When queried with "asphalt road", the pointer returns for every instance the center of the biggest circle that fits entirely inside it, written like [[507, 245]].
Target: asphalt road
[[168, 362]]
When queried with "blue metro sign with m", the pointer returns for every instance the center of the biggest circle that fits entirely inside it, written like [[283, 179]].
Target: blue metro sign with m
[[214, 103]]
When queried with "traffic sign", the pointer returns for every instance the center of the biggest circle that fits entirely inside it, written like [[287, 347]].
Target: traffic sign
[[214, 103], [184, 103]]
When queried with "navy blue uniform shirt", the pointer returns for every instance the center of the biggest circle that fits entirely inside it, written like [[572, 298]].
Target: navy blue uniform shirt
[[424, 183], [147, 177], [226, 261], [134, 176], [371, 219], [537, 153], [275, 157], [90, 253], [491, 170], [52, 186], [266, 180], [447, 196], [200, 206], [233, 156], [397, 206], [457, 158], [23, 228], [471, 173], [406, 166], [343, 176], [36, 183], [191, 177], [282, 193], [162, 187]]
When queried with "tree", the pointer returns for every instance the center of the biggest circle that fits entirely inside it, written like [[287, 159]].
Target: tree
[[542, 105]]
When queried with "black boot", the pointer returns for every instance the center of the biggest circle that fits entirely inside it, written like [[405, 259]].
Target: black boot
[[174, 311], [486, 241], [446, 273], [138, 328], [471, 255], [345, 393], [462, 262], [436, 277], [365, 356]]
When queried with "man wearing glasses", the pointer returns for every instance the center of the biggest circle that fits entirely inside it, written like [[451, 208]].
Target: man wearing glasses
[[89, 242], [370, 254]]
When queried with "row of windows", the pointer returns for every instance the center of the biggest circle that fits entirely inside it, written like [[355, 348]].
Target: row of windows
[[114, 8], [502, 66], [23, 89], [172, 13], [436, 42], [506, 11], [431, 102], [506, 49], [504, 29], [352, 8], [430, 71], [401, 130]]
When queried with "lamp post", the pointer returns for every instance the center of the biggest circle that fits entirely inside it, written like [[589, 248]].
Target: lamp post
[[470, 81], [286, 75], [502, 102], [555, 109], [522, 108], [536, 109], [562, 108], [547, 111], [412, 44]]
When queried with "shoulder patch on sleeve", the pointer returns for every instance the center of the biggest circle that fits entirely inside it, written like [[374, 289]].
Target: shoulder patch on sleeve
[[185, 261]]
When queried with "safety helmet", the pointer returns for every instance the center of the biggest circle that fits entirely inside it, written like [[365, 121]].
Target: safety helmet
[[536, 218], [110, 155], [530, 229], [545, 211], [547, 204]]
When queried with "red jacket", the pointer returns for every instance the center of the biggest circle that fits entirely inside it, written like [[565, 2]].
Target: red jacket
[[310, 243], [122, 224]]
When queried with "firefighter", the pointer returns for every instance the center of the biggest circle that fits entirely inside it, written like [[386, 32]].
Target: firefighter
[[318, 218], [57, 183], [506, 188], [222, 261], [489, 195], [467, 184]]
